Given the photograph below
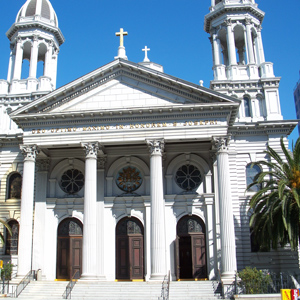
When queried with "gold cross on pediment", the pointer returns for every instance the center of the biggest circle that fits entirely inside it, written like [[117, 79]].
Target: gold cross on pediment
[[121, 35]]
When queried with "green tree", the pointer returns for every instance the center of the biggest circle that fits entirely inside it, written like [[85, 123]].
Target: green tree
[[5, 224], [275, 207]]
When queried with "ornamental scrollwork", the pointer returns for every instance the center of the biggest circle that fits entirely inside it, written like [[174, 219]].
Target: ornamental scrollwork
[[101, 162], [156, 146], [91, 149], [220, 143], [29, 152]]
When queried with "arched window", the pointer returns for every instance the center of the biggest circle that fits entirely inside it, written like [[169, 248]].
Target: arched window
[[261, 105], [247, 106], [14, 186], [251, 172], [11, 247]]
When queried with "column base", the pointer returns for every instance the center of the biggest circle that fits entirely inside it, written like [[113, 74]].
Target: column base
[[88, 277], [157, 277]]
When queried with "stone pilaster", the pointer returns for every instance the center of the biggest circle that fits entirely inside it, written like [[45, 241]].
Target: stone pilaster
[[26, 220], [228, 252], [100, 217], [249, 42], [90, 224], [158, 247]]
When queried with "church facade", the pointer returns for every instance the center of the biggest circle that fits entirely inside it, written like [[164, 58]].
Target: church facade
[[127, 173]]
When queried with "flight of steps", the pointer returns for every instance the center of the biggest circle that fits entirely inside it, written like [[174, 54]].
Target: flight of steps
[[37, 290], [183, 290], [192, 290]]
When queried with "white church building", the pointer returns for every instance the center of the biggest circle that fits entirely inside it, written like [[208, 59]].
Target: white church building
[[127, 173]]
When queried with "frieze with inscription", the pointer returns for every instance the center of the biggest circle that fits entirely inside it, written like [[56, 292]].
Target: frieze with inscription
[[132, 126]]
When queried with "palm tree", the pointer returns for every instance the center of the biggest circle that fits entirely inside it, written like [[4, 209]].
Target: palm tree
[[275, 208], [5, 224]]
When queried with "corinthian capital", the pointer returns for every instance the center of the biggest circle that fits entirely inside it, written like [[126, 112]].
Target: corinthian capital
[[29, 151], [91, 149], [220, 144], [156, 146]]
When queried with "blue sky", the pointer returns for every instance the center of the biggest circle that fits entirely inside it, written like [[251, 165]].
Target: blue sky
[[173, 30]]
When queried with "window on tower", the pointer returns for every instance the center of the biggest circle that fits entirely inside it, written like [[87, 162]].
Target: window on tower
[[247, 106]]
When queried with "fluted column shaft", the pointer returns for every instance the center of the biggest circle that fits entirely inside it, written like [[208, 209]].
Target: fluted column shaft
[[230, 44], [158, 246], [261, 53], [26, 220], [89, 226], [216, 46], [228, 251], [18, 60], [33, 58], [249, 42]]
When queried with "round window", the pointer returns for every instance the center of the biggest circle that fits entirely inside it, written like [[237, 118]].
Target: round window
[[72, 181], [188, 177], [129, 179]]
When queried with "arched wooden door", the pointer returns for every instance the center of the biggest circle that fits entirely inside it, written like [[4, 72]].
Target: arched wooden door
[[129, 249], [191, 248], [69, 249]]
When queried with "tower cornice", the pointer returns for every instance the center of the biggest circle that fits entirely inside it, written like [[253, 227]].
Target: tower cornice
[[36, 24], [225, 9]]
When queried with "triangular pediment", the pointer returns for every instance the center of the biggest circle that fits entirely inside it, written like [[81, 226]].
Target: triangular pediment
[[122, 85]]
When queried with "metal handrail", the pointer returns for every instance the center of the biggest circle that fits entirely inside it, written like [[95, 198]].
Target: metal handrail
[[22, 284], [222, 284], [70, 286], [165, 287]]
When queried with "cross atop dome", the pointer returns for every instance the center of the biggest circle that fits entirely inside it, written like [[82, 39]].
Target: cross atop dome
[[146, 49]]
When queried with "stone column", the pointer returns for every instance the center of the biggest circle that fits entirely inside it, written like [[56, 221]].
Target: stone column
[[89, 225], [230, 43], [157, 239], [48, 58], [217, 51], [251, 59], [33, 58], [18, 60], [228, 251], [100, 217], [11, 63], [39, 236], [26, 220], [261, 52]]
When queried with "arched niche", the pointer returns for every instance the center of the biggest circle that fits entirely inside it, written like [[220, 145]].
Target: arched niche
[[14, 185], [55, 177], [188, 159], [124, 163]]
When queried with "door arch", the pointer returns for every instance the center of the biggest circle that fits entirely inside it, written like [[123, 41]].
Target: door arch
[[129, 249], [69, 248], [191, 248]]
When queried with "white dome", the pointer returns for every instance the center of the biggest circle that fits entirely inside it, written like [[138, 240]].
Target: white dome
[[37, 8]]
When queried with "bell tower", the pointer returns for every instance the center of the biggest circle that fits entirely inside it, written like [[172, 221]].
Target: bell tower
[[35, 38], [239, 65]]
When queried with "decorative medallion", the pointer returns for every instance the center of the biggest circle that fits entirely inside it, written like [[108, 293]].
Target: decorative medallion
[[72, 181], [129, 179], [188, 177]]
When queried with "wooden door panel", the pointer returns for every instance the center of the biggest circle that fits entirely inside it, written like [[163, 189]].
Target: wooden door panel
[[185, 258], [63, 258], [122, 267], [199, 256], [136, 257], [76, 256]]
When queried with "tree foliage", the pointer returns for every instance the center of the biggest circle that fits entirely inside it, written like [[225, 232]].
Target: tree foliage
[[275, 207], [5, 224]]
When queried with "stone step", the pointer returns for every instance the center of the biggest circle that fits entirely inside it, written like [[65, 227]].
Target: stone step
[[85, 290]]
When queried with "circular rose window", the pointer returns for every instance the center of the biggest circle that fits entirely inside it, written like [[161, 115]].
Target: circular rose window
[[129, 179], [72, 181], [188, 177]]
